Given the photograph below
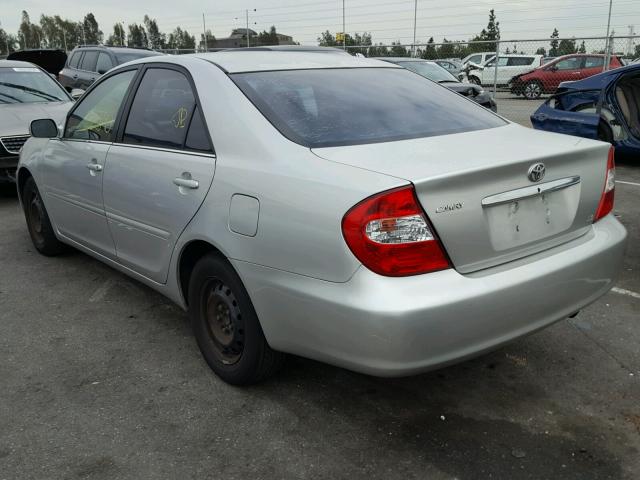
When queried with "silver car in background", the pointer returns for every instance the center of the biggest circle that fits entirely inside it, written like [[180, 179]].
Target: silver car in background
[[26, 93], [325, 206]]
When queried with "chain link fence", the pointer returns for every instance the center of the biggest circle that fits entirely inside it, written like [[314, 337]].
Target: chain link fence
[[526, 73]]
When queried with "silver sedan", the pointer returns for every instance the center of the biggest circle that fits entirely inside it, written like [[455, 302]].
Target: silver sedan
[[327, 206]]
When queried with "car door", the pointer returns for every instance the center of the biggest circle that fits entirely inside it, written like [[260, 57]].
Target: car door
[[73, 165], [567, 69], [489, 71], [104, 63], [87, 74], [159, 172], [593, 66]]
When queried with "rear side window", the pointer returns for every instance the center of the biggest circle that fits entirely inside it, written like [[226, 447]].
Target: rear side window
[[520, 61], [104, 63], [95, 115], [197, 137], [572, 63], [330, 107], [75, 60], [89, 61], [161, 110]]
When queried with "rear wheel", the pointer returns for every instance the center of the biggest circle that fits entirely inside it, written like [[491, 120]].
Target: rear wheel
[[532, 90], [226, 326], [38, 223]]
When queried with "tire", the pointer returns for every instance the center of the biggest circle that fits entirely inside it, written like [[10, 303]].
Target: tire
[[532, 90], [474, 80], [38, 223], [226, 326]]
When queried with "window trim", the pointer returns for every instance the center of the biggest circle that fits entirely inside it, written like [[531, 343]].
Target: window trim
[[89, 50], [135, 85], [116, 123], [98, 59]]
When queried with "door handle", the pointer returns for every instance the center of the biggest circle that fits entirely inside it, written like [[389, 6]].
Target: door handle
[[186, 182], [94, 167]]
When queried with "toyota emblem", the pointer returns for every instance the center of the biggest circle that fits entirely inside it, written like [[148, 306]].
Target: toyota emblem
[[536, 172]]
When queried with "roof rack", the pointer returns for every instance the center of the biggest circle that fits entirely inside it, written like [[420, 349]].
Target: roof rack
[[108, 45]]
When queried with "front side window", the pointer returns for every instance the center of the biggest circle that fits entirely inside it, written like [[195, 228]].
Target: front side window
[[95, 115], [350, 106], [594, 62], [89, 61], [477, 59], [104, 63], [75, 59], [572, 63], [161, 111], [29, 85]]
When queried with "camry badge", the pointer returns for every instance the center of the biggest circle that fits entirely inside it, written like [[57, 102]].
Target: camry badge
[[536, 172]]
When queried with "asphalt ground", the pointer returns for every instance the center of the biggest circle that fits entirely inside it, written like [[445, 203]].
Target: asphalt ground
[[100, 378]]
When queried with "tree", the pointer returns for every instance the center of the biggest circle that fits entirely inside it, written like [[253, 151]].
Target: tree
[[156, 38], [181, 40], [430, 50], [211, 41], [118, 35], [583, 48], [137, 36], [636, 53], [7, 42], [92, 33], [360, 42], [553, 51], [29, 34], [268, 38], [567, 47], [541, 51]]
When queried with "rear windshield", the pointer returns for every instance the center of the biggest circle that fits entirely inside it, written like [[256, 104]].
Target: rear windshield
[[128, 56], [29, 85], [331, 107]]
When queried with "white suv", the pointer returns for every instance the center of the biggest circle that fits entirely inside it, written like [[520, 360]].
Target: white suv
[[508, 67], [478, 58]]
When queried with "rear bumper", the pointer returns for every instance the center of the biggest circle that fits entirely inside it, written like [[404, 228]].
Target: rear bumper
[[400, 326]]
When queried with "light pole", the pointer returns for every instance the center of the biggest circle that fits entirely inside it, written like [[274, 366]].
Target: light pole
[[248, 35], [204, 33], [122, 34], [344, 35], [415, 19], [607, 54]]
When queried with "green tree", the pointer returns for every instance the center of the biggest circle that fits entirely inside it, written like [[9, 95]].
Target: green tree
[[156, 38], [541, 51], [268, 38], [553, 51], [360, 42], [567, 47], [29, 34], [7, 42], [583, 48], [211, 41], [181, 40], [118, 36], [92, 33], [137, 36], [430, 50], [326, 39]]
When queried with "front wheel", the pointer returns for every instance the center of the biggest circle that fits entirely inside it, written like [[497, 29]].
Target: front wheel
[[532, 90], [226, 326], [38, 223]]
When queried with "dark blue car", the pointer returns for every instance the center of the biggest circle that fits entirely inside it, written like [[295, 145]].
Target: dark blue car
[[604, 107]]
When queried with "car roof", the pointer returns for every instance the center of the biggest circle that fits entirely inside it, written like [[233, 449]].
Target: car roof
[[16, 64], [236, 61], [601, 79]]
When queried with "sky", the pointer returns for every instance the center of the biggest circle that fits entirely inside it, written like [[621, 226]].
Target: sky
[[386, 20]]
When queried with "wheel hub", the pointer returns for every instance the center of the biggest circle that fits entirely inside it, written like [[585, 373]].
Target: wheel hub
[[224, 319]]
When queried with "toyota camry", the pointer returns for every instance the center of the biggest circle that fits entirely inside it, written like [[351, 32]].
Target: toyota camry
[[325, 206]]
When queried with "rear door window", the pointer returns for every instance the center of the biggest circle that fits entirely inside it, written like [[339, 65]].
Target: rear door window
[[349, 106], [89, 61], [594, 62], [520, 61], [95, 115], [572, 63], [161, 110]]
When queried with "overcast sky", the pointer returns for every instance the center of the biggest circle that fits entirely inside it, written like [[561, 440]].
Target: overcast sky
[[387, 20]]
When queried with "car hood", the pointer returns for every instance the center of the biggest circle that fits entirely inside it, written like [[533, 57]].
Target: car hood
[[16, 117], [462, 87]]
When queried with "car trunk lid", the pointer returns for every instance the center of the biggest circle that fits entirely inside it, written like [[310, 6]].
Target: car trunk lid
[[476, 191]]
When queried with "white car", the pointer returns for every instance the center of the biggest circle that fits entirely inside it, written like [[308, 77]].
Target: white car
[[478, 58], [508, 67]]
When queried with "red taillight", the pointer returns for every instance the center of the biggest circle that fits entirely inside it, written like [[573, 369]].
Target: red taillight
[[606, 200], [390, 234]]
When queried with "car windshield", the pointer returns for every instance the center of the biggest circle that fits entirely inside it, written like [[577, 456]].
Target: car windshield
[[124, 57], [330, 107], [29, 85], [433, 72]]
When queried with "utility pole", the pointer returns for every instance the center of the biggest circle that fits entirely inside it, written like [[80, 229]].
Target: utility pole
[[344, 35], [122, 34], [630, 40], [64, 39], [84, 37], [204, 33], [607, 53], [415, 19]]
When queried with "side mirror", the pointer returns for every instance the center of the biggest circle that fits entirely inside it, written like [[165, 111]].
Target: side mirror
[[553, 68], [43, 128], [102, 71], [76, 93]]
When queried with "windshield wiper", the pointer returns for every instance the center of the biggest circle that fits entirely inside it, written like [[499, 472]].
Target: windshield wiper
[[11, 97], [32, 91]]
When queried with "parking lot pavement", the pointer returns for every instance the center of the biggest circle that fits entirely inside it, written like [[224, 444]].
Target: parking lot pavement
[[517, 109], [100, 378]]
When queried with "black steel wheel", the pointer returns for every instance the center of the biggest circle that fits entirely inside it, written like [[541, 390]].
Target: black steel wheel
[[226, 326], [38, 223]]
